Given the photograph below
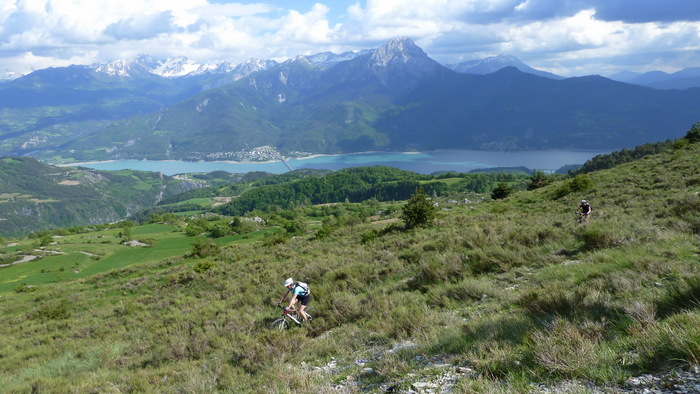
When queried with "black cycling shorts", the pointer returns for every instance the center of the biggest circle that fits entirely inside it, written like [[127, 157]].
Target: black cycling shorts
[[304, 300]]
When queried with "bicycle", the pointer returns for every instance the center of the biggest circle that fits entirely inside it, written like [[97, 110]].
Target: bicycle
[[582, 218], [289, 317]]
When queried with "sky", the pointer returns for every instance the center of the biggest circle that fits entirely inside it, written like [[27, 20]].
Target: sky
[[565, 37]]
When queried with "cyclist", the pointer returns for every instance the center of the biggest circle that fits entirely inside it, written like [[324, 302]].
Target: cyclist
[[585, 209], [300, 292]]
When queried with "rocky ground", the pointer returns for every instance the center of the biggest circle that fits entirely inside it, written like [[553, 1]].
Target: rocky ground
[[437, 377]]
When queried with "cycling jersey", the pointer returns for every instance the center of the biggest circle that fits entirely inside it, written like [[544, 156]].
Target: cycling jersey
[[299, 290]]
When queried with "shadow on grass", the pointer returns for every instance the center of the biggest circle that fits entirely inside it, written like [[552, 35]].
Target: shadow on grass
[[681, 297]]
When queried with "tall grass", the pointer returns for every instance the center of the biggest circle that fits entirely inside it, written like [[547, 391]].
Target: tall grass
[[504, 288]]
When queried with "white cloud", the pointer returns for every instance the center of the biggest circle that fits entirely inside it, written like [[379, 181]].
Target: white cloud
[[565, 36]]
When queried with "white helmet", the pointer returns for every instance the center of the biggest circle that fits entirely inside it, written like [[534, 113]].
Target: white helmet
[[583, 201], [288, 282]]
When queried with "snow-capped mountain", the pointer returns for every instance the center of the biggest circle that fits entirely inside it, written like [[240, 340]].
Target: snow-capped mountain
[[167, 68], [9, 75], [251, 66], [329, 59], [494, 63]]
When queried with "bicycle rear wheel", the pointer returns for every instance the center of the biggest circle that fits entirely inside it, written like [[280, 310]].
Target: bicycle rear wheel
[[309, 311], [279, 324]]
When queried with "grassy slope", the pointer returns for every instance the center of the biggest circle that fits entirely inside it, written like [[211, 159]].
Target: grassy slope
[[513, 289]]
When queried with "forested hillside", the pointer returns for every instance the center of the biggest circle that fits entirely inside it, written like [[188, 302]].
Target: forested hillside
[[36, 196], [509, 295]]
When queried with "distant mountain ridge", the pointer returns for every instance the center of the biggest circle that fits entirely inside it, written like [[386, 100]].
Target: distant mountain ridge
[[495, 63], [392, 98], [397, 98], [683, 79]]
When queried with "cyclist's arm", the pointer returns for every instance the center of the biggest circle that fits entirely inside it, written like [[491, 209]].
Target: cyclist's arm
[[292, 301], [283, 297]]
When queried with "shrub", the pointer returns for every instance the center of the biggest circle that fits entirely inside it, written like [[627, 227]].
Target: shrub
[[218, 231], [369, 236], [693, 134], [538, 180], [324, 231], [203, 247], [418, 211], [151, 242], [295, 226], [577, 184], [203, 266], [275, 238], [52, 311], [24, 288], [597, 236], [580, 183], [501, 191]]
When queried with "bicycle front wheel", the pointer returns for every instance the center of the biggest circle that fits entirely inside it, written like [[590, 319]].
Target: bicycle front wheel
[[279, 324]]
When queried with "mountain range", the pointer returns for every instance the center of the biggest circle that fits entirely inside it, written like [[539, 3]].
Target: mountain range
[[494, 63], [684, 79], [391, 98]]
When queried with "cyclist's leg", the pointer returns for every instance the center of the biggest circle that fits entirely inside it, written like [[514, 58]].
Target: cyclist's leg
[[302, 307]]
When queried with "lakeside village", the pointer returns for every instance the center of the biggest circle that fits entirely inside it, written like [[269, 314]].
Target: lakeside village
[[257, 154]]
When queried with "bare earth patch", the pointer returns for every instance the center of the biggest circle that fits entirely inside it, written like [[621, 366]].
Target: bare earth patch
[[392, 220], [69, 183], [221, 200]]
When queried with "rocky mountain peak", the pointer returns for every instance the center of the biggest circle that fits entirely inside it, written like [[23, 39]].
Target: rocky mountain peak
[[398, 50], [251, 66], [401, 61]]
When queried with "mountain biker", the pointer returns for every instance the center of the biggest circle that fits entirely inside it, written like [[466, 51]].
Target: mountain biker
[[300, 292], [585, 209]]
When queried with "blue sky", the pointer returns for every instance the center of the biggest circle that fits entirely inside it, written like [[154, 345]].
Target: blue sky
[[566, 37]]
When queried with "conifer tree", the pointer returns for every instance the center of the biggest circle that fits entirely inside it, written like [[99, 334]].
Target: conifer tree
[[694, 133], [538, 180], [501, 191], [418, 211]]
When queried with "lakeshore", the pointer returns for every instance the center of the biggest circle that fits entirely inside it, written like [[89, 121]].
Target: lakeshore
[[420, 162]]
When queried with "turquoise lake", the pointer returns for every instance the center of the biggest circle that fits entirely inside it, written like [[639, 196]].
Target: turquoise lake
[[420, 162]]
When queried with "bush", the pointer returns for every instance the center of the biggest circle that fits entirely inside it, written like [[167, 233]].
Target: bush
[[577, 184], [599, 237], [52, 311], [580, 183], [25, 288], [151, 242], [324, 231], [418, 211], [275, 238], [694, 133], [203, 247], [218, 231], [501, 191], [369, 236], [538, 180], [203, 266]]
